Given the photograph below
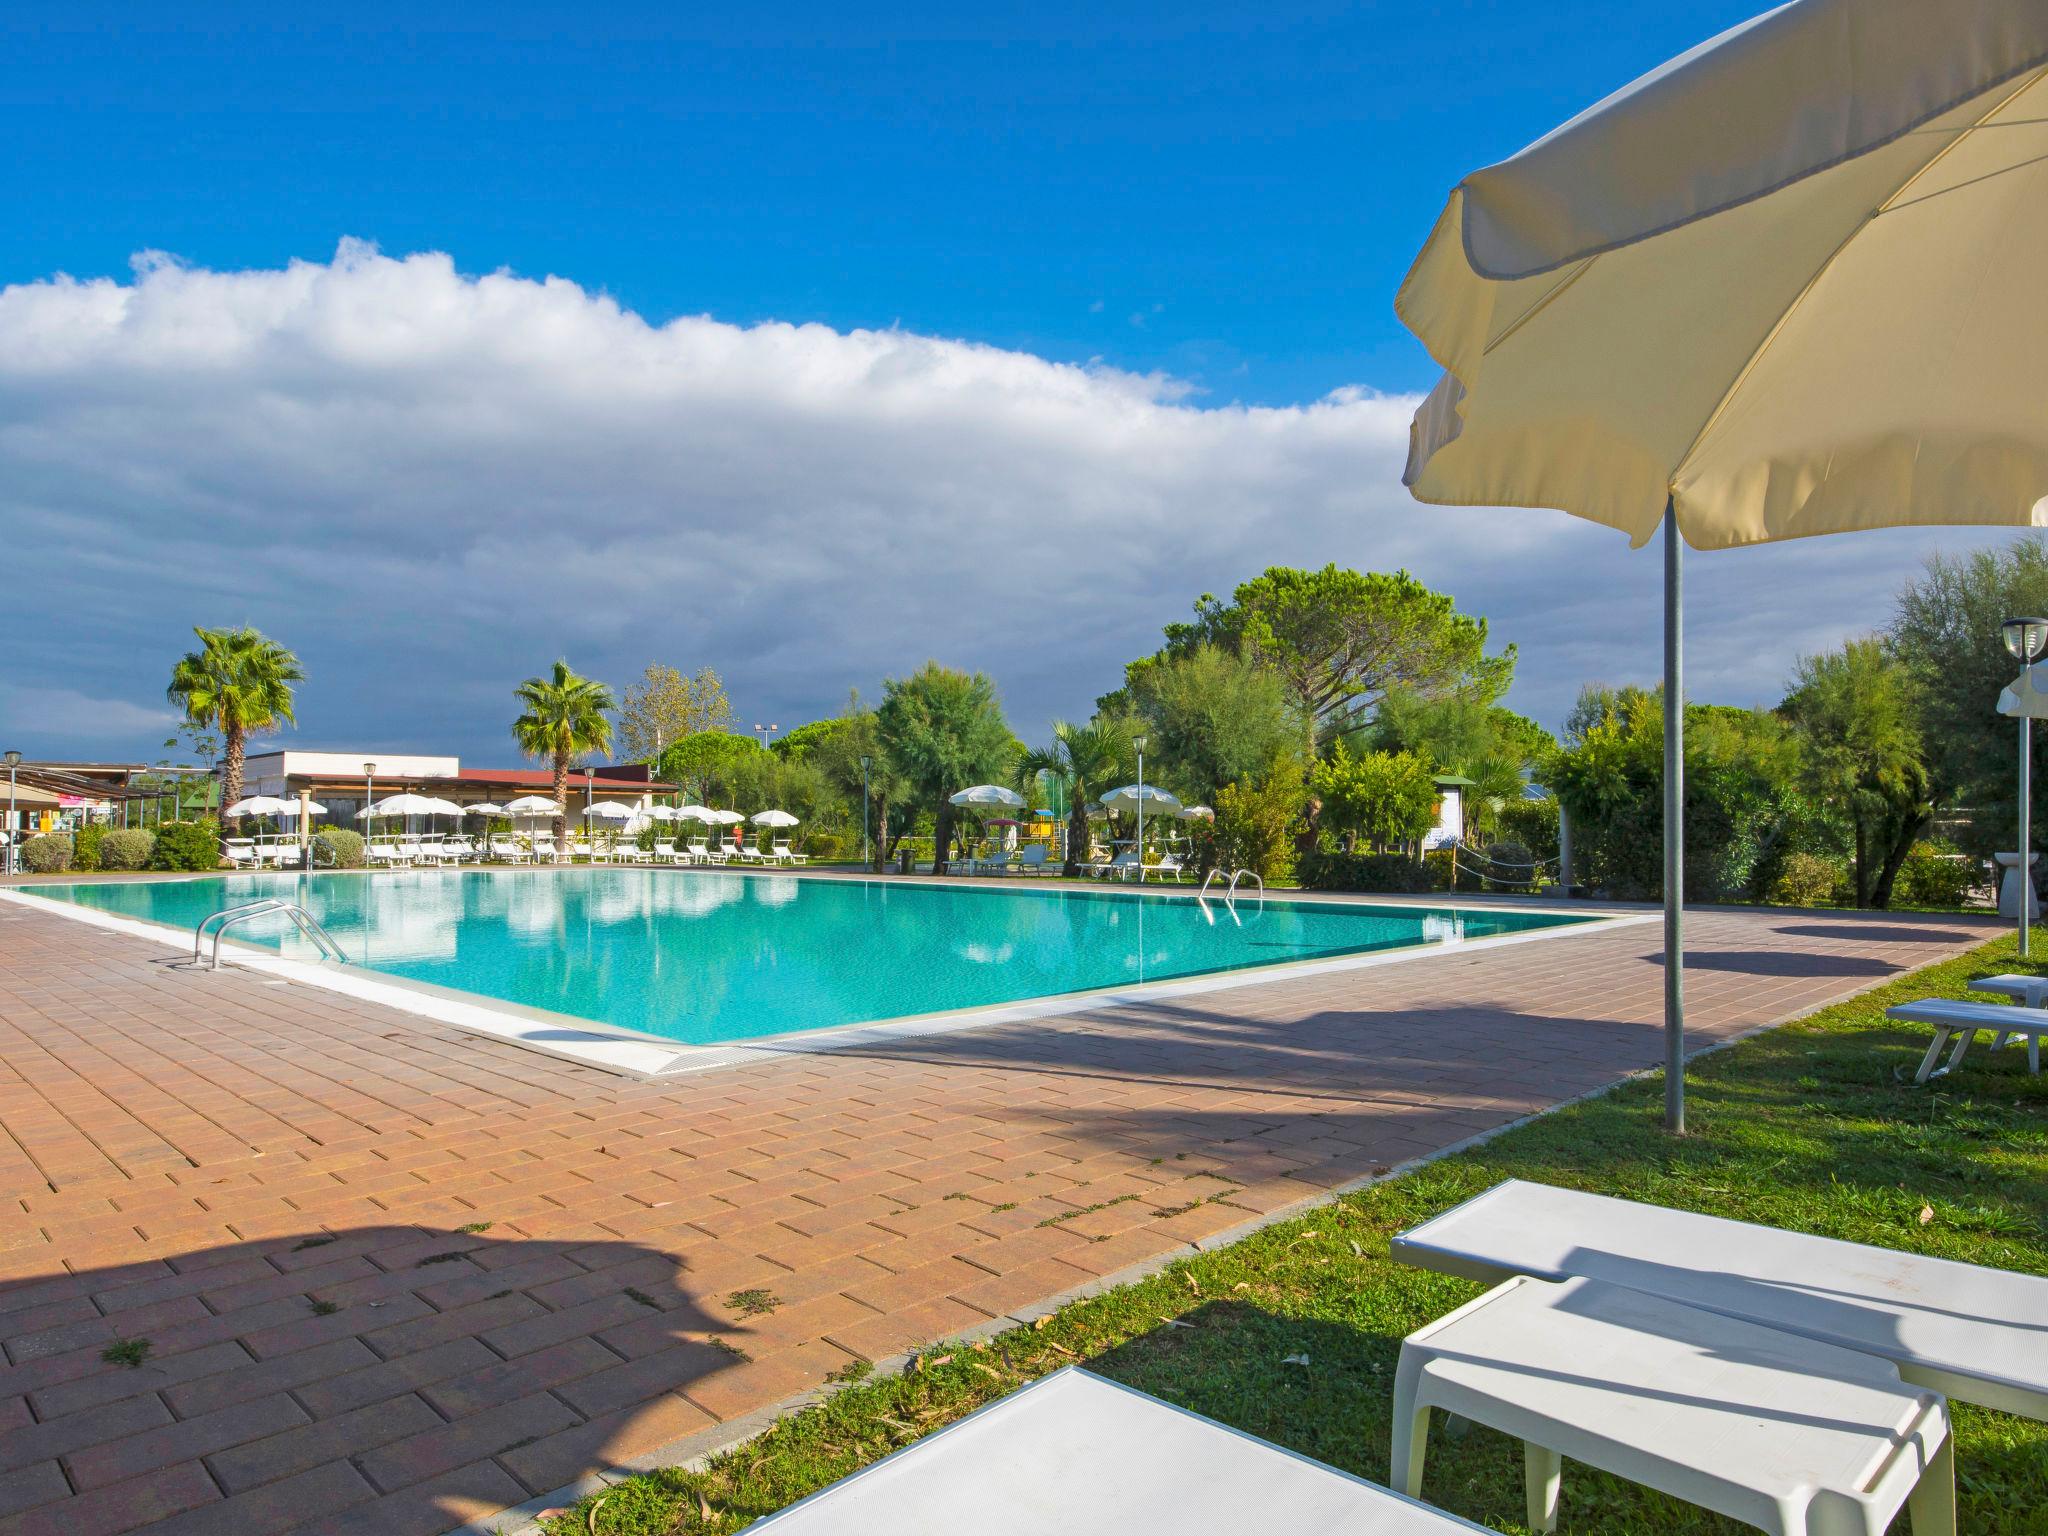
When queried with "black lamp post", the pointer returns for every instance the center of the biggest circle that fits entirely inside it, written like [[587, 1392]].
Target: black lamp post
[[864, 761], [13, 838], [2026, 639]]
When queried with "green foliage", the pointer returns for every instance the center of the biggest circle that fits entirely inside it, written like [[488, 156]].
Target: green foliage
[[1856, 712], [337, 848], [239, 683], [1341, 639], [126, 848], [1214, 717], [1255, 820], [564, 716], [1505, 865], [48, 853], [666, 705], [1806, 880], [1935, 875], [85, 845], [1383, 798], [187, 845], [943, 730], [1741, 769], [1946, 631], [1086, 761], [1324, 870], [708, 764], [1532, 823]]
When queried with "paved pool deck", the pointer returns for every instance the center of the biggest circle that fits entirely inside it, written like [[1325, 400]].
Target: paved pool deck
[[394, 1276]]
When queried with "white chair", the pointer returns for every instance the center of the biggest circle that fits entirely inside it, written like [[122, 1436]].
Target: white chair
[[1032, 860], [781, 853], [510, 850], [1978, 1335], [240, 852], [747, 853], [700, 853], [1169, 864], [545, 852], [1965, 1020]]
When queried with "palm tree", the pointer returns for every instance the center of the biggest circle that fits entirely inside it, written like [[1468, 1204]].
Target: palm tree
[[237, 682], [565, 716], [1088, 759]]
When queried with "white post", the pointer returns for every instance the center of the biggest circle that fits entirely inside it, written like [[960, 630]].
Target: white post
[[1141, 810], [2026, 870], [1674, 829]]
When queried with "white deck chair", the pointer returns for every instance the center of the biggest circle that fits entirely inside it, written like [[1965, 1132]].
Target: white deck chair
[[1168, 865], [510, 851], [545, 852], [240, 852], [1032, 860], [1963, 1020], [1979, 1335], [747, 853], [782, 853]]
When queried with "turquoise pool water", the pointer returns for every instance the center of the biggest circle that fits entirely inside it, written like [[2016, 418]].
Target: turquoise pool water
[[702, 957]]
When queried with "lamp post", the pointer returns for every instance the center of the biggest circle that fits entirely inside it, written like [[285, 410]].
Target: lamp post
[[13, 840], [369, 795], [864, 761], [2026, 639], [589, 773], [1139, 743]]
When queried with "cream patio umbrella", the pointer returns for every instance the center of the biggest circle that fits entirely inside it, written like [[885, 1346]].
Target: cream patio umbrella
[[1787, 284]]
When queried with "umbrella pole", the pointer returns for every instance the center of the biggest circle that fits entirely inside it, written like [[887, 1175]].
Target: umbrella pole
[[1674, 826]]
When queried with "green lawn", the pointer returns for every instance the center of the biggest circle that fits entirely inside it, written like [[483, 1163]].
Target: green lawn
[[1814, 1126]]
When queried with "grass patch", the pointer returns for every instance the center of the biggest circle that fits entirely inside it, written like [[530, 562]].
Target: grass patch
[[442, 1258], [322, 1308], [127, 1352], [1814, 1127], [753, 1303], [310, 1242], [474, 1227]]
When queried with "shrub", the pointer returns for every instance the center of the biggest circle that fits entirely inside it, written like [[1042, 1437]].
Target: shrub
[[85, 846], [126, 848], [1397, 872], [187, 845], [1805, 880], [1254, 825], [1442, 864], [1507, 866], [1934, 875], [49, 853], [337, 848], [825, 846]]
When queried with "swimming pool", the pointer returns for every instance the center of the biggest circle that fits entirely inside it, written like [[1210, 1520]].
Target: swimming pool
[[704, 957]]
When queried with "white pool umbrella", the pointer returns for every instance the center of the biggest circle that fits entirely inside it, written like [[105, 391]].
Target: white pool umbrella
[[1157, 802], [409, 804], [440, 807], [263, 805], [484, 808], [291, 809], [727, 818], [988, 797], [610, 810], [775, 819], [702, 813], [532, 805], [1196, 813], [1787, 284], [661, 813]]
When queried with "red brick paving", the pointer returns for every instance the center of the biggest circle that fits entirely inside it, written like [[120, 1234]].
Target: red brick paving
[[212, 1162]]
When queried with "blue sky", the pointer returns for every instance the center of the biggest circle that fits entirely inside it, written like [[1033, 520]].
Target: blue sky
[[1226, 192], [1020, 329]]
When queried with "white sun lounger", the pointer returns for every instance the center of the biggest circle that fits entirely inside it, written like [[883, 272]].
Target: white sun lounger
[[782, 853], [1979, 1335], [1078, 1455], [1952, 1016], [510, 850]]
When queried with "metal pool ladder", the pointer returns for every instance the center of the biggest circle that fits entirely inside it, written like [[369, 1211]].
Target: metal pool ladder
[[227, 917], [1230, 892]]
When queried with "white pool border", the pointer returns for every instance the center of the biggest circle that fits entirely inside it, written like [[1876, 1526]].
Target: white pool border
[[634, 1054]]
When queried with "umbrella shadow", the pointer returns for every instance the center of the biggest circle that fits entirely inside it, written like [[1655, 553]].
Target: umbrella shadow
[[348, 1380]]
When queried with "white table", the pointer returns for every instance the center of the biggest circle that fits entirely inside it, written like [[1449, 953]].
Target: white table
[[1077, 1455], [1782, 1433], [2028, 992], [1977, 1335]]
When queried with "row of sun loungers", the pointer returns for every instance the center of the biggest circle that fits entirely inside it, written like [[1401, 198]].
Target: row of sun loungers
[[406, 852], [1797, 1384]]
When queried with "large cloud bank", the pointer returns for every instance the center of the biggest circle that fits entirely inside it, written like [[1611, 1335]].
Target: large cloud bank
[[431, 484]]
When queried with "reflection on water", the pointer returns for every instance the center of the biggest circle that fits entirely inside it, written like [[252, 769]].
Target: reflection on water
[[703, 956]]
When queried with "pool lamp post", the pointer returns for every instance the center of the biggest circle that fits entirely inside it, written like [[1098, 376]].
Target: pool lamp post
[[369, 797], [589, 773], [2026, 639], [864, 761], [1139, 743], [13, 762]]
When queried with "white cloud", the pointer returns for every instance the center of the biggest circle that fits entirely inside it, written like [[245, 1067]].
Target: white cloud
[[430, 485]]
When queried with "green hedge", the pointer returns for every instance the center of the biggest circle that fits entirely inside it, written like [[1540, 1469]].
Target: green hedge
[[85, 846], [337, 848], [187, 845], [126, 848], [46, 854], [1328, 871]]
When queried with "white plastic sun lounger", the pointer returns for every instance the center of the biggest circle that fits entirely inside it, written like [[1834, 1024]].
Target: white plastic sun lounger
[[784, 854], [1979, 1335], [510, 850], [1082, 1456], [1954, 1017]]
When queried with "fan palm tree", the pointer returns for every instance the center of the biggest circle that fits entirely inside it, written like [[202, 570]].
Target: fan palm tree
[[238, 682], [565, 716], [1089, 759]]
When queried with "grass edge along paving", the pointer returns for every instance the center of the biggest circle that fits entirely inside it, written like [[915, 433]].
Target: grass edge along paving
[[1291, 1334]]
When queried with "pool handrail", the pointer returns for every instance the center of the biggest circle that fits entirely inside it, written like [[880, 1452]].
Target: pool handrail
[[227, 917]]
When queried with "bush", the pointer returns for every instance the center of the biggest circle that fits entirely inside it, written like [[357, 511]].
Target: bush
[[1934, 875], [1254, 825], [1805, 880], [825, 846], [126, 848], [46, 854], [1442, 865], [1396, 872], [85, 846], [1533, 824], [187, 845], [1507, 866], [337, 848]]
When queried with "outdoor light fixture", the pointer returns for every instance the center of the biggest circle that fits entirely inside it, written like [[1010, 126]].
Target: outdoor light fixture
[[864, 761], [369, 795], [13, 762], [1139, 743], [2026, 639]]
